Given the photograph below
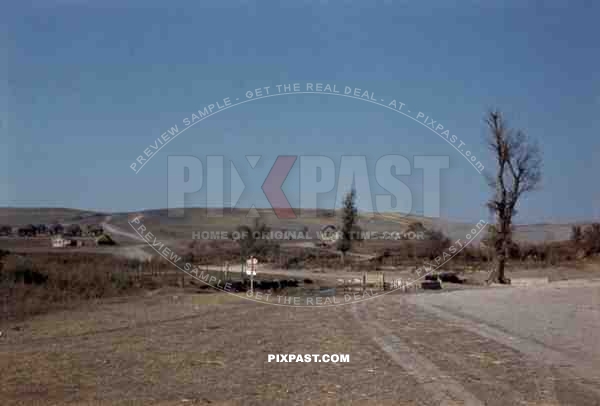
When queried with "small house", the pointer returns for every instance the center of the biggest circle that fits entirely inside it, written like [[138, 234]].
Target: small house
[[58, 241]]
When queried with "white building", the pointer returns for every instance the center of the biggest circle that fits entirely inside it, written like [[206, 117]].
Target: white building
[[59, 242]]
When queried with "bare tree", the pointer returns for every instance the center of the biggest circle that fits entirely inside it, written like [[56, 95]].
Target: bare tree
[[518, 171]]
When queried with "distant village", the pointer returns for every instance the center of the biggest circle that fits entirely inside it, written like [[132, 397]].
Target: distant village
[[61, 235]]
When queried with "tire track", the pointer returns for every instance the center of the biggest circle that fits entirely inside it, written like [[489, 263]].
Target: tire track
[[442, 388], [529, 348], [468, 355]]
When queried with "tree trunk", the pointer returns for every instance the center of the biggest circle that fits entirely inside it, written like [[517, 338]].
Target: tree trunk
[[501, 245], [502, 253], [500, 270]]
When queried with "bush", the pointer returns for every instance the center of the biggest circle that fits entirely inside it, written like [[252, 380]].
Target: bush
[[29, 277], [591, 239], [576, 234], [121, 281], [546, 253], [27, 231], [325, 213], [55, 229], [37, 283], [73, 230], [253, 244], [436, 243]]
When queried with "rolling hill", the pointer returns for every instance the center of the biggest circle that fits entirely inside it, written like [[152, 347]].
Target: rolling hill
[[196, 219]]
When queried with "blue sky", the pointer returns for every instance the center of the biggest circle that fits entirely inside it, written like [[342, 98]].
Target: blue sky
[[87, 86]]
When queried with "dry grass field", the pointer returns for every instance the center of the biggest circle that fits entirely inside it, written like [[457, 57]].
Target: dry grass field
[[171, 348]]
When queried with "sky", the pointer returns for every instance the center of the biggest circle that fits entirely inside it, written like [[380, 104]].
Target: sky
[[88, 86]]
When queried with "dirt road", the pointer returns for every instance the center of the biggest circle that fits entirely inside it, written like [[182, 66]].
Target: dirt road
[[467, 347], [137, 251], [112, 229]]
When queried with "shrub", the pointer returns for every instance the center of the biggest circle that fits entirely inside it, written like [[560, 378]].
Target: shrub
[[576, 234], [56, 228], [325, 213], [436, 243], [27, 231], [73, 230], [591, 239], [37, 283]]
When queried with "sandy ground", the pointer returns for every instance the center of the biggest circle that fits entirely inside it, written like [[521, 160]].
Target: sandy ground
[[497, 346]]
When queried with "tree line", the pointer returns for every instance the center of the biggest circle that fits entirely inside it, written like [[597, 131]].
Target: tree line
[[70, 230]]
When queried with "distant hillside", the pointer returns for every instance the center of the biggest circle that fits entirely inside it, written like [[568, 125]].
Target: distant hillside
[[13, 216], [543, 232], [196, 219]]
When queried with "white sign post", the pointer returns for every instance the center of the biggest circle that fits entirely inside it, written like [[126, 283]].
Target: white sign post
[[251, 270]]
